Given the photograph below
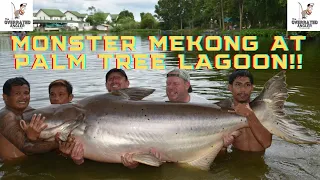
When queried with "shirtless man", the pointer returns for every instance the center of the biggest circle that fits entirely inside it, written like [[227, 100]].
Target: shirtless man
[[60, 92], [14, 142], [256, 137]]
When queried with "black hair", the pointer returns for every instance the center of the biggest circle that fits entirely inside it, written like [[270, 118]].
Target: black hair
[[17, 81], [240, 73], [62, 82]]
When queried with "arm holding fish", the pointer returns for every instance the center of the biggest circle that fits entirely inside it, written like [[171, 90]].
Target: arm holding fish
[[36, 125], [73, 148], [228, 140], [11, 130], [262, 135]]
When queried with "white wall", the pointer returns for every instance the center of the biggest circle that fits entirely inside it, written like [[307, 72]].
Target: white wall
[[42, 16], [70, 16], [108, 19]]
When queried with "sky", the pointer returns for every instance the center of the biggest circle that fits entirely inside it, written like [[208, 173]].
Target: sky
[[108, 6]]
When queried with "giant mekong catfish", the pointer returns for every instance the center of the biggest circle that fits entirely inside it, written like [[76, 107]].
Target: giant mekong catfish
[[112, 124]]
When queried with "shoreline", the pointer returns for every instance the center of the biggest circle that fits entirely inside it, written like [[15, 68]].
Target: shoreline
[[195, 32]]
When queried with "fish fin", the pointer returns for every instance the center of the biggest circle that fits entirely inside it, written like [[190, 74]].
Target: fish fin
[[147, 159], [205, 161], [273, 96], [133, 93]]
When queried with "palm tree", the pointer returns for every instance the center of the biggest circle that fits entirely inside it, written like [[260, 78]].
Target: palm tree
[[91, 9]]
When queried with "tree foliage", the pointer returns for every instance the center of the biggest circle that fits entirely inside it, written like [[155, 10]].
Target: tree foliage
[[147, 21], [96, 19], [125, 14], [176, 14]]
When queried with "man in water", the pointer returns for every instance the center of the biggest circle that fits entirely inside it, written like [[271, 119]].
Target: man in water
[[178, 88], [60, 92], [14, 143], [116, 79], [256, 137]]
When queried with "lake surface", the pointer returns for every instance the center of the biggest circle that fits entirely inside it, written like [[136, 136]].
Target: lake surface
[[282, 160]]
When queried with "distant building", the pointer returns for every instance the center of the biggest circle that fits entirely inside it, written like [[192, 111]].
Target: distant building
[[114, 17], [76, 16], [54, 19], [49, 14]]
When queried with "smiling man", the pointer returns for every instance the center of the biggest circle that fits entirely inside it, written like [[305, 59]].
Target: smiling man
[[14, 142], [116, 79], [178, 88]]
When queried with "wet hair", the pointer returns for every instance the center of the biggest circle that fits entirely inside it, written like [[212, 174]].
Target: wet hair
[[240, 73], [17, 81], [62, 82]]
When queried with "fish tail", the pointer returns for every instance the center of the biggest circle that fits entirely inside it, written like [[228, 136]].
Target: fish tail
[[273, 97]]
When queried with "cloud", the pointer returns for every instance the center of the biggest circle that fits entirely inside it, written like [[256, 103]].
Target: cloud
[[110, 6]]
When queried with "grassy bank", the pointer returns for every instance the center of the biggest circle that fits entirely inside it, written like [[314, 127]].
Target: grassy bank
[[195, 32]]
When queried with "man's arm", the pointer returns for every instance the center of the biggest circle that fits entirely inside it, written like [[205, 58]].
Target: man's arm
[[10, 129], [262, 135]]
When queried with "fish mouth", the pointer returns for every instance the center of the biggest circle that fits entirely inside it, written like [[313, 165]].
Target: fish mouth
[[63, 129]]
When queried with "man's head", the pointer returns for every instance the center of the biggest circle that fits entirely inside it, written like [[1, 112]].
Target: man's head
[[60, 92], [22, 8], [116, 79], [241, 85], [16, 93], [178, 85]]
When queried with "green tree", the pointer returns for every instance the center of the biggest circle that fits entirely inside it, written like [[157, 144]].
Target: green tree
[[176, 14], [91, 10], [147, 21], [96, 19], [125, 14]]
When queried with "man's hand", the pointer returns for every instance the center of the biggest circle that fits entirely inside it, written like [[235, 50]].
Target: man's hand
[[35, 127], [66, 146], [243, 109], [128, 161], [229, 139], [71, 148], [77, 153]]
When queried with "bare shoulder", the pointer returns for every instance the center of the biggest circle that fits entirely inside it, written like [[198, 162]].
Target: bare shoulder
[[7, 115]]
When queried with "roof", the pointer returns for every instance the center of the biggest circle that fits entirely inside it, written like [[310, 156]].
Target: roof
[[106, 14], [52, 12], [114, 16], [77, 14], [39, 21]]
